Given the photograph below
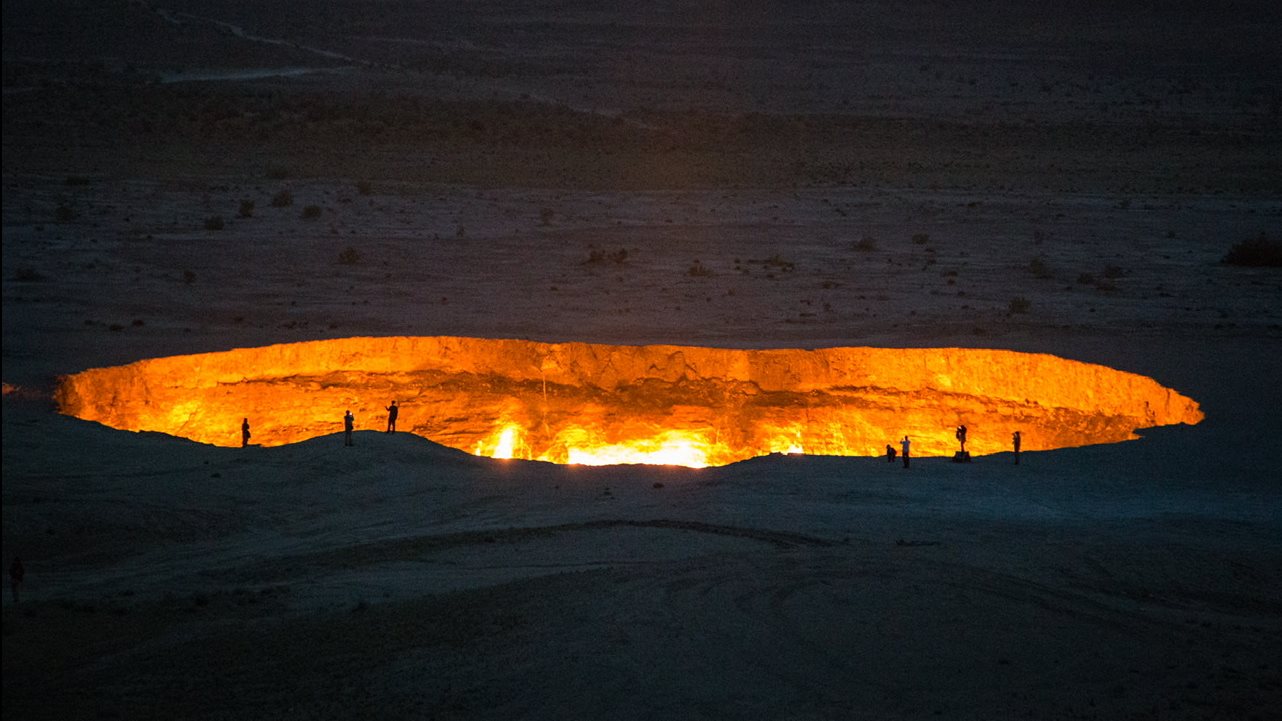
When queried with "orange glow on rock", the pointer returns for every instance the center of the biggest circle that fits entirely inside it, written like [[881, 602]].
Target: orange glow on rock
[[600, 404]]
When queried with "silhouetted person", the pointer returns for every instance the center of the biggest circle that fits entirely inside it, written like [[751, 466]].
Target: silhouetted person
[[244, 433], [961, 436], [16, 572], [392, 412], [1015, 440], [349, 422], [906, 445], [890, 453]]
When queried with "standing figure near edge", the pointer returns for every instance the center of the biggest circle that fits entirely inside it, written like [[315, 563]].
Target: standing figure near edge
[[392, 411]]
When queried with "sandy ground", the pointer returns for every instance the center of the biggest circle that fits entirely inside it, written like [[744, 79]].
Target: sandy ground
[[848, 189]]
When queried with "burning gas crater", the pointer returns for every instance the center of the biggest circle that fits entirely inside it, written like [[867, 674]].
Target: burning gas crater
[[601, 404]]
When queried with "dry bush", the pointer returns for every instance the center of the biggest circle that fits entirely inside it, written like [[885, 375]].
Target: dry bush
[[246, 209], [778, 262], [311, 212], [1039, 269], [1020, 304], [283, 199], [596, 256], [349, 256], [699, 270], [214, 222], [1260, 252]]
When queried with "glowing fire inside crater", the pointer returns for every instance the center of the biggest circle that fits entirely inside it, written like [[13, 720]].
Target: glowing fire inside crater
[[601, 404]]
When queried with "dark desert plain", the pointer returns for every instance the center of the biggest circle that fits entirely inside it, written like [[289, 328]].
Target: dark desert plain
[[1056, 178]]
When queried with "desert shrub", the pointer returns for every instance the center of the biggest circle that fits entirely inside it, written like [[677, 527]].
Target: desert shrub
[[189, 277], [597, 255], [349, 256], [1086, 279], [1113, 272], [1260, 252], [214, 222], [364, 187], [698, 270], [1039, 269], [246, 209], [866, 244], [545, 216], [64, 214], [1020, 304], [921, 238], [283, 199], [312, 211], [776, 261], [277, 172]]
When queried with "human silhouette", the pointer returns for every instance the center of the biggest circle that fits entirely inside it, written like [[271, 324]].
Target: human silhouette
[[890, 453], [961, 436], [349, 422], [244, 433], [392, 412], [905, 444], [16, 572], [1015, 441]]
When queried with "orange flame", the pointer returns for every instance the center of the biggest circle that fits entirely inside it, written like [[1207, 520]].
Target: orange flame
[[598, 404]]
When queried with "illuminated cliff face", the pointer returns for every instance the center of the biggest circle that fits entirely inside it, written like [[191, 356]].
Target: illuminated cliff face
[[594, 404]]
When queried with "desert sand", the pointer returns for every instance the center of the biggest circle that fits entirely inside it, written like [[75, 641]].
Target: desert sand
[[1041, 179]]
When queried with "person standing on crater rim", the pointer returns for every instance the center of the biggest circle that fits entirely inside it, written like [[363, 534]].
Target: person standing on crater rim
[[961, 436], [1015, 441], [244, 433], [906, 444], [349, 422], [890, 453], [392, 412]]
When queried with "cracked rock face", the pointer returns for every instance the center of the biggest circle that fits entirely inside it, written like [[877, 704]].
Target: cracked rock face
[[591, 403]]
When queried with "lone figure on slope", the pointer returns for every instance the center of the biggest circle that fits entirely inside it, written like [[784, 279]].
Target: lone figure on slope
[[1015, 440], [244, 433], [392, 412], [961, 436], [16, 572], [349, 421], [890, 453], [905, 444]]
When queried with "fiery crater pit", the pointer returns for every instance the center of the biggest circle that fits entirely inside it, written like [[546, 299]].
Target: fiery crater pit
[[598, 404]]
